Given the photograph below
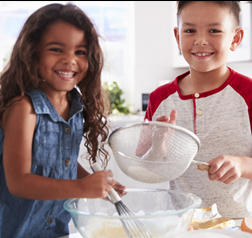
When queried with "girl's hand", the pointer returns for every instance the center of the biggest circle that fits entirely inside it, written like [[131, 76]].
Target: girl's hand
[[119, 189], [98, 184], [225, 168]]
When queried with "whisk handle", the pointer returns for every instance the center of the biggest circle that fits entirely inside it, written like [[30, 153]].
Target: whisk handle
[[113, 195]]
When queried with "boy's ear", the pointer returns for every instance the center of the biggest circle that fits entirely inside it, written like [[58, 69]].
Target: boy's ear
[[238, 36], [176, 34]]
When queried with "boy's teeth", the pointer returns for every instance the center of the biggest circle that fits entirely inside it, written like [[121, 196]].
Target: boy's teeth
[[66, 74], [202, 54]]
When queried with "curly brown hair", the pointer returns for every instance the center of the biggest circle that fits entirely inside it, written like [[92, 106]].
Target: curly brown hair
[[21, 73]]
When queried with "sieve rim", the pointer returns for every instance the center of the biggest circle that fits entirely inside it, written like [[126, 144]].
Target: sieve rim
[[157, 123]]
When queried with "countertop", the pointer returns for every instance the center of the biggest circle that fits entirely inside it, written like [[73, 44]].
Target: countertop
[[77, 235]]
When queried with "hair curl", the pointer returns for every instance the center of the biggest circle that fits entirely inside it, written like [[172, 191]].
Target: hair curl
[[21, 73]]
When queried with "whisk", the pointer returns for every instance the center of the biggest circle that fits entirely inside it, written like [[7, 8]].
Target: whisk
[[133, 227]]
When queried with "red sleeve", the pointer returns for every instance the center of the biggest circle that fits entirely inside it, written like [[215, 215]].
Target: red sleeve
[[243, 85]]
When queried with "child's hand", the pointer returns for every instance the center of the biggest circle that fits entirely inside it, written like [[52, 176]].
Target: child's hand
[[170, 119], [158, 145], [119, 189], [160, 141], [225, 168], [98, 184]]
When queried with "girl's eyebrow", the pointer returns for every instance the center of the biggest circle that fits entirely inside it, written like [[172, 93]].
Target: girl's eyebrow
[[61, 44]]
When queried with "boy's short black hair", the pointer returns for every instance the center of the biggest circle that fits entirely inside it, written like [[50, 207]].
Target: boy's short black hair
[[233, 6]]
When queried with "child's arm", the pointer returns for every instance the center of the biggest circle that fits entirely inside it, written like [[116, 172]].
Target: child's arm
[[81, 172], [227, 169], [18, 124]]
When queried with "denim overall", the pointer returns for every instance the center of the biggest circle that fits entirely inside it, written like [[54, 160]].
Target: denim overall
[[54, 154]]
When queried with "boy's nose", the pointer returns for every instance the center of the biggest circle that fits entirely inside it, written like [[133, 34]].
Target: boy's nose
[[200, 40]]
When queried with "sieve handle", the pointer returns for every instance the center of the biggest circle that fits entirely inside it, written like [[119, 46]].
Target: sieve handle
[[202, 165], [113, 195]]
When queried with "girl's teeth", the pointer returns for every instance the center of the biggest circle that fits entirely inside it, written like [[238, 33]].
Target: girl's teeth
[[66, 74]]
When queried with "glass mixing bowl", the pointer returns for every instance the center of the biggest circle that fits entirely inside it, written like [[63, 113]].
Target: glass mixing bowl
[[165, 213]]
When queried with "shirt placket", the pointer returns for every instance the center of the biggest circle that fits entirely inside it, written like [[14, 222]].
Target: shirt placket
[[67, 148], [65, 164], [198, 111]]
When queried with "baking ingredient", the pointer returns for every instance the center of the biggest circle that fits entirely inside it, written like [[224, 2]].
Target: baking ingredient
[[215, 223], [246, 224], [204, 214], [105, 228], [143, 174], [190, 228]]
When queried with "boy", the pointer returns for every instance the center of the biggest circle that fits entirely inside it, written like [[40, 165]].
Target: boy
[[214, 102]]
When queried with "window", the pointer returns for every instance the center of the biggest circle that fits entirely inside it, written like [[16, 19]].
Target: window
[[110, 18]]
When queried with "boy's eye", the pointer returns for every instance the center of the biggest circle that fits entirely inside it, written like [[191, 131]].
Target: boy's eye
[[214, 31], [55, 50], [189, 31]]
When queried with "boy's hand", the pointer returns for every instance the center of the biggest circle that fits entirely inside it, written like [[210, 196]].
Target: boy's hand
[[225, 168], [160, 141], [170, 119]]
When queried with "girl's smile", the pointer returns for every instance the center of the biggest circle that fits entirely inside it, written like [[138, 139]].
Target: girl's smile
[[63, 59], [66, 75]]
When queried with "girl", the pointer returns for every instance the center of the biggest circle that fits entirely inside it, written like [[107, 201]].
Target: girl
[[50, 86]]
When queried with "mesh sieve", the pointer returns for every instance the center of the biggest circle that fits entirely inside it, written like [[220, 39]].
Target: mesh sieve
[[153, 152]]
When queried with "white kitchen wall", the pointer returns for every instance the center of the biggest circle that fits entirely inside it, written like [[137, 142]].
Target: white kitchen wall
[[154, 42]]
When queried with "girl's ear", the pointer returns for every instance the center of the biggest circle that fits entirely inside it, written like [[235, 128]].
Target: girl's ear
[[237, 38], [176, 34]]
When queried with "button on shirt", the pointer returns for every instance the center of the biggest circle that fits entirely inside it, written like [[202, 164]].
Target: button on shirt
[[55, 152]]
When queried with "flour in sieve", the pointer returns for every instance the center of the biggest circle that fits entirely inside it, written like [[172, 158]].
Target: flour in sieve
[[143, 174]]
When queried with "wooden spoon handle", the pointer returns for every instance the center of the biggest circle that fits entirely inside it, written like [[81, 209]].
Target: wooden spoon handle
[[202, 165]]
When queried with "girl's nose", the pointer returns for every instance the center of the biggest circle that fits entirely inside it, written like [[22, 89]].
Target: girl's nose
[[69, 59]]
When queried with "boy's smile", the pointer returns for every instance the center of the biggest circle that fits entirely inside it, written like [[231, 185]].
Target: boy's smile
[[205, 34]]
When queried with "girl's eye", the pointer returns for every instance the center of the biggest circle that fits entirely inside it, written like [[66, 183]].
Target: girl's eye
[[55, 50], [189, 31], [214, 31], [81, 52]]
